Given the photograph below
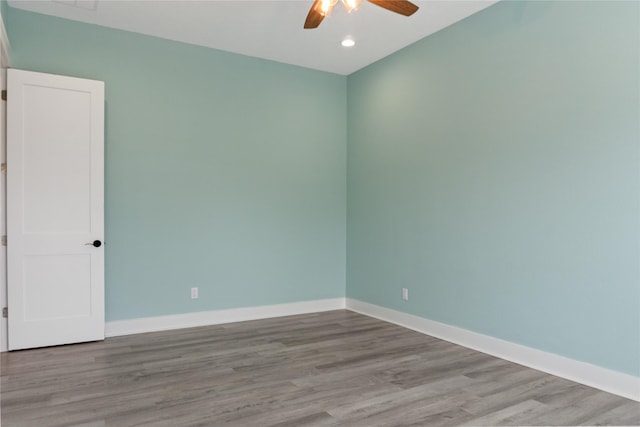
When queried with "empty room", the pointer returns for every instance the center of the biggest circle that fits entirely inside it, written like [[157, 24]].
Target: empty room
[[319, 213]]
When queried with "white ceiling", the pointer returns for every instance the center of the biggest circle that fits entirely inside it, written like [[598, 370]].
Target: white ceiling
[[269, 29]]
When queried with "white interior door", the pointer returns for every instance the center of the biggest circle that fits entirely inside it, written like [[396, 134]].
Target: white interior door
[[55, 209]]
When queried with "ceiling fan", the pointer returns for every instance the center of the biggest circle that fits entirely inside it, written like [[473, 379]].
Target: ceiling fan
[[322, 8]]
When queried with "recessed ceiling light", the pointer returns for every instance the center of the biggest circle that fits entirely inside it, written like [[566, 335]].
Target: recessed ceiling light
[[348, 42]]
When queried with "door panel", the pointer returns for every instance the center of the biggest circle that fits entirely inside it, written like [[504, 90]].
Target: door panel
[[73, 272], [55, 191], [57, 194]]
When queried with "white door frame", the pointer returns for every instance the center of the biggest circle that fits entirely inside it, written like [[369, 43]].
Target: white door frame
[[5, 54]]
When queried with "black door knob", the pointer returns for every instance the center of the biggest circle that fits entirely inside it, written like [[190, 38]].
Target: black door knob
[[96, 243]]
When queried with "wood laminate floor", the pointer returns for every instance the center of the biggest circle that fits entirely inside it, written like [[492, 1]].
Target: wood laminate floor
[[334, 368]]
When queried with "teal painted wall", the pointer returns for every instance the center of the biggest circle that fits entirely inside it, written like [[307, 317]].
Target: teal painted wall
[[4, 7], [493, 169], [218, 174]]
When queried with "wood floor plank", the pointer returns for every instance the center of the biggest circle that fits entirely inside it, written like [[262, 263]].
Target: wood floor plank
[[583, 410], [335, 368], [502, 416], [627, 414]]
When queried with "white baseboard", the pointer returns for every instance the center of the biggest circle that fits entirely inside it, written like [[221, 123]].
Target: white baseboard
[[215, 317], [584, 373]]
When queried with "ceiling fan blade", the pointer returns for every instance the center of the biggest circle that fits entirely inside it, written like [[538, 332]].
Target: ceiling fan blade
[[403, 7], [315, 16]]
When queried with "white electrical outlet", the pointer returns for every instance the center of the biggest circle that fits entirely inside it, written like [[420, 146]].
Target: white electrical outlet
[[405, 294], [194, 293]]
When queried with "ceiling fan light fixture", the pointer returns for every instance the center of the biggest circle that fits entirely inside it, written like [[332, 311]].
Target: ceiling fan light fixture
[[351, 5], [326, 6], [322, 8]]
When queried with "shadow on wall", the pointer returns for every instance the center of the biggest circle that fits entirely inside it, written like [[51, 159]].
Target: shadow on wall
[[521, 14]]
